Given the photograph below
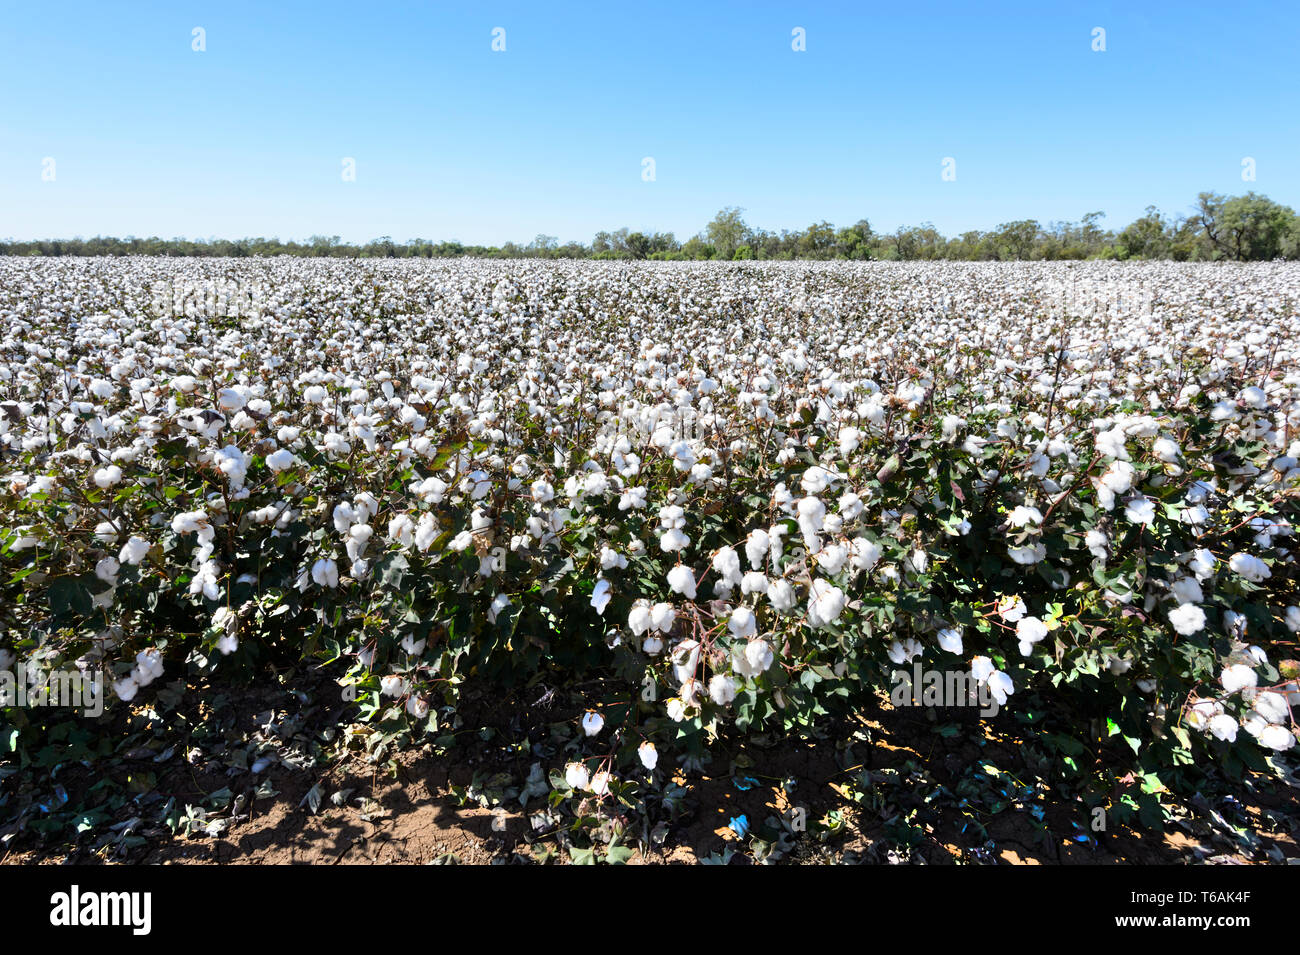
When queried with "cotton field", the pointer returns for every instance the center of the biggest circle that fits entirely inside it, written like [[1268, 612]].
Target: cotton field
[[727, 498]]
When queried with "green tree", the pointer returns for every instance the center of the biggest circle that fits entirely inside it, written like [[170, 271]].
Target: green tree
[[727, 231]]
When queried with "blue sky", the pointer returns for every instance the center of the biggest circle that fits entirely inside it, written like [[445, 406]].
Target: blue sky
[[453, 140]]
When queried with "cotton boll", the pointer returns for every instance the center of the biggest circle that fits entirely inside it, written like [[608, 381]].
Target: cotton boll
[[722, 689], [1187, 619], [825, 603], [1224, 727], [683, 581], [577, 776], [780, 594], [1237, 677], [601, 595], [1277, 738], [1249, 567], [742, 623], [950, 639], [1272, 706], [662, 617], [648, 755], [592, 723], [107, 477], [134, 551], [325, 573]]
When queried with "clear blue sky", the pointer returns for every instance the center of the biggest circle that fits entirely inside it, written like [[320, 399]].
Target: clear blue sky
[[452, 140]]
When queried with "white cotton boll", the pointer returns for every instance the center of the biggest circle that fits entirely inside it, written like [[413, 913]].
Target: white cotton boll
[[401, 530], [228, 399], [611, 559], [638, 618], [426, 532], [1224, 727], [825, 603], [1201, 712], [950, 639], [412, 646], [653, 645], [1166, 450], [1272, 706], [1187, 619], [1202, 563], [722, 689], [499, 603], [577, 776], [325, 572], [754, 582], [601, 595], [106, 569], [592, 723], [632, 497], [1277, 738], [134, 551], [228, 644], [863, 554], [1253, 397], [673, 541], [358, 539], [150, 664], [417, 706], [1187, 590], [280, 460], [1028, 554], [1237, 677], [648, 755], [600, 783], [775, 533], [1293, 619], [1097, 542], [1249, 567], [1001, 686], [1022, 516], [685, 658], [1011, 608], [742, 623], [392, 685], [662, 617], [1029, 630], [981, 668], [1111, 444], [108, 476], [905, 651], [830, 560], [682, 581], [758, 656], [727, 564], [126, 689], [780, 594], [811, 514], [1118, 478], [1140, 510], [815, 480]]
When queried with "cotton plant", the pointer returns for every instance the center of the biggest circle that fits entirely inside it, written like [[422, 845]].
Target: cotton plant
[[752, 513]]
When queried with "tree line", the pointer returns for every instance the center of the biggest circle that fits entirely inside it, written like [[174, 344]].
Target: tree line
[[1236, 228]]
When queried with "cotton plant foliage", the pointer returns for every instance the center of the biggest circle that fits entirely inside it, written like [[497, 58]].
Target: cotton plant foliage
[[747, 495]]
